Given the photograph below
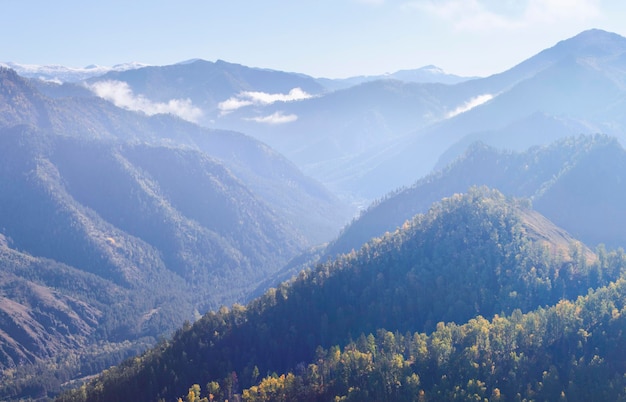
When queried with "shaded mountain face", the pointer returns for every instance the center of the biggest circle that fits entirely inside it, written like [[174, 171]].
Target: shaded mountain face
[[588, 197], [309, 207], [153, 219], [116, 227], [575, 182], [470, 254]]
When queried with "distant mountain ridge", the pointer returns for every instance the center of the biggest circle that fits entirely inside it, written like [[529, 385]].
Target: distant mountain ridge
[[426, 74], [366, 136], [59, 73], [577, 85], [261, 102], [246, 99]]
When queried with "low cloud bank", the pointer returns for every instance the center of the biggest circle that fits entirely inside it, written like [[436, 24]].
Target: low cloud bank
[[275, 118], [121, 95], [470, 104], [247, 98]]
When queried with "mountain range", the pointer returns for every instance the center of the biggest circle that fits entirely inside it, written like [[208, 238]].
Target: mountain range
[[371, 135], [116, 226], [136, 198], [572, 88], [60, 74]]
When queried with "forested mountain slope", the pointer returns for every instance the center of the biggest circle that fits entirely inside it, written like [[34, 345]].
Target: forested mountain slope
[[571, 351], [305, 203], [575, 182], [473, 254], [145, 221]]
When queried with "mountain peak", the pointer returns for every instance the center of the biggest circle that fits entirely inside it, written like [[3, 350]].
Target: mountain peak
[[432, 69], [596, 34], [593, 42], [189, 61]]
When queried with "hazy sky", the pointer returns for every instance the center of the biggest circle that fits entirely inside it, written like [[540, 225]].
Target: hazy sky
[[329, 38]]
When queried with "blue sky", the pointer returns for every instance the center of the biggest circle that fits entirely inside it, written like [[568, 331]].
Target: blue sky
[[322, 38]]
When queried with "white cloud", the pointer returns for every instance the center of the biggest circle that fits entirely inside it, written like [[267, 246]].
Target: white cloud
[[266, 99], [232, 104], [485, 15], [122, 96], [470, 104], [247, 98], [275, 118]]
